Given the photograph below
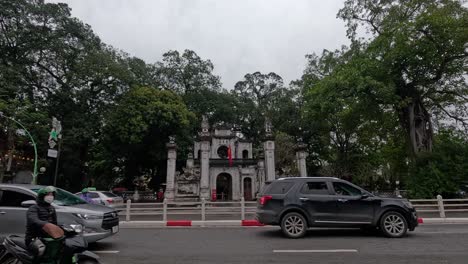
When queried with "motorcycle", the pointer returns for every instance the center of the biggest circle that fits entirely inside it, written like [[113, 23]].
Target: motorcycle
[[13, 250]]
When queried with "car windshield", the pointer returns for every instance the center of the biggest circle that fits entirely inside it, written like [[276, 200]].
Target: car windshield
[[65, 198]]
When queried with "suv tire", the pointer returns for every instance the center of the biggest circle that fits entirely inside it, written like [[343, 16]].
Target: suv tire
[[393, 225], [294, 225]]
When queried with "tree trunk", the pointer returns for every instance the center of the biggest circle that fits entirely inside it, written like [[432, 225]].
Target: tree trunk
[[417, 122]]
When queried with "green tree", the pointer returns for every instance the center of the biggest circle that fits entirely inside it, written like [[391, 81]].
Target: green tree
[[185, 73], [285, 155], [444, 170], [417, 49], [136, 131], [259, 87], [58, 65], [348, 124], [263, 96]]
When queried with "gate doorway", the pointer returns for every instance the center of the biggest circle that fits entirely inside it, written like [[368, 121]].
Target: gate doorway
[[224, 187], [248, 189]]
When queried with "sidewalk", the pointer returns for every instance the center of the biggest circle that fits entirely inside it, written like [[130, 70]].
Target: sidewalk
[[249, 223]]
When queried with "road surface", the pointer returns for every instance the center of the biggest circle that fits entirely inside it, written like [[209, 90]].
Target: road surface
[[429, 244]]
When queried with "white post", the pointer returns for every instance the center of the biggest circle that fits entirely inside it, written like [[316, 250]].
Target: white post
[[440, 203], [169, 194], [242, 208], [205, 169], [164, 210], [269, 149], [301, 155], [203, 208], [127, 215]]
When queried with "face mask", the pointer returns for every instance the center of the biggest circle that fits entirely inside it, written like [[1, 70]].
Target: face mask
[[49, 199]]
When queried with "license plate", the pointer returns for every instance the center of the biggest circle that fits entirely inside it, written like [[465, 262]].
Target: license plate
[[115, 229]]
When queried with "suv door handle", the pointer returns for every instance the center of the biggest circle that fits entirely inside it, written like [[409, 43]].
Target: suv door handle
[[304, 199], [342, 200], [2, 213]]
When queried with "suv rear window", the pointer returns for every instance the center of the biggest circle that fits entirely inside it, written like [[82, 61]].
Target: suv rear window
[[279, 187]]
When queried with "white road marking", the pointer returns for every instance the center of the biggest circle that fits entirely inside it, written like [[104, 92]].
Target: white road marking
[[106, 252], [316, 251]]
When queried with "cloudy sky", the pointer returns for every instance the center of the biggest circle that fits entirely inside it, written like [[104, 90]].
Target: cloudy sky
[[238, 36]]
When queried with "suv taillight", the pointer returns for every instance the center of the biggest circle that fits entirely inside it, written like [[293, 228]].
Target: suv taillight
[[265, 198]]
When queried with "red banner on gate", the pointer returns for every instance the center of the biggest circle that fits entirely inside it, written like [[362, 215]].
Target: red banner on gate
[[213, 195]]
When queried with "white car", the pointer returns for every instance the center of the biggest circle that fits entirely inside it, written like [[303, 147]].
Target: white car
[[105, 198]]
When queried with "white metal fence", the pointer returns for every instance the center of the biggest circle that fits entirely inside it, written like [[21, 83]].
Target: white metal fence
[[440, 205], [242, 208], [203, 209]]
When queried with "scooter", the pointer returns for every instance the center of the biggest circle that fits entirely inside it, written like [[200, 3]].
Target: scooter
[[13, 250]]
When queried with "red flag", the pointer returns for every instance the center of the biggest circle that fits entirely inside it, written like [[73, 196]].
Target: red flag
[[230, 156]]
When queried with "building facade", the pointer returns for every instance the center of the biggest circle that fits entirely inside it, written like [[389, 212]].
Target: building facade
[[221, 167]]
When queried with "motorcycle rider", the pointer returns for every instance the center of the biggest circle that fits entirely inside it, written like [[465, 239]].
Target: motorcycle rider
[[41, 221]]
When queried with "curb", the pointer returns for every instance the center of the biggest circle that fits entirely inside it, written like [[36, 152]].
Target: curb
[[216, 223], [445, 220], [179, 223], [189, 223], [251, 223]]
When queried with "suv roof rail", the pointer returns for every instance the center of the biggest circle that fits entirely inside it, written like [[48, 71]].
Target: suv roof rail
[[286, 178]]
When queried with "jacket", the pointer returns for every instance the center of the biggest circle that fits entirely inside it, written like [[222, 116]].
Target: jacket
[[37, 216]]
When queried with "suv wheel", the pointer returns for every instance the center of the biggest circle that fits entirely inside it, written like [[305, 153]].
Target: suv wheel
[[294, 225], [394, 225]]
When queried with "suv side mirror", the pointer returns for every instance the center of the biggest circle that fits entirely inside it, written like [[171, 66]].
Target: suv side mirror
[[364, 196], [28, 203]]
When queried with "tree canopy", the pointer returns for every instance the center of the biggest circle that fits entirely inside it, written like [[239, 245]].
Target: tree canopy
[[391, 106]]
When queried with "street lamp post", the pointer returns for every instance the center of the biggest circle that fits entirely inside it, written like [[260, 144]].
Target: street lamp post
[[34, 180]]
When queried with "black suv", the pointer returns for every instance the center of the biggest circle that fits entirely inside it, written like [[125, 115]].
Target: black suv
[[298, 203]]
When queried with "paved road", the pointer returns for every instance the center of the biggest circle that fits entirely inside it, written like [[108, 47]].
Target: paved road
[[429, 244]]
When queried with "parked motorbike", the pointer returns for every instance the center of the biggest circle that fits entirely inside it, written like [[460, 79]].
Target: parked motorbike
[[13, 250]]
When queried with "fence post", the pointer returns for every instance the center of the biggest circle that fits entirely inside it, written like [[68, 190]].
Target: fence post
[[127, 215], [203, 208], [440, 203], [242, 208], [165, 210]]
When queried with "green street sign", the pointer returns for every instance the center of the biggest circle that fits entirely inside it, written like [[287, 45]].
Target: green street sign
[[53, 134]]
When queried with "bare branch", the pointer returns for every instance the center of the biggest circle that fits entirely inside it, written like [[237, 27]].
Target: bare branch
[[457, 118], [454, 93], [59, 80], [370, 22]]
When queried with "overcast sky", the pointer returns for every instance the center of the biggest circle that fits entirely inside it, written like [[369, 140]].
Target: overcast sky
[[238, 36]]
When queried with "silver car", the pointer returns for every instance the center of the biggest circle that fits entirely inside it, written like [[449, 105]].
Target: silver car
[[105, 198], [98, 221]]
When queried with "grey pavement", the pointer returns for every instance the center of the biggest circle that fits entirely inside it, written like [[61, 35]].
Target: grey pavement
[[429, 244]]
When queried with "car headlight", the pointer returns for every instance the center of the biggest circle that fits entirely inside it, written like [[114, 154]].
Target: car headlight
[[77, 228], [408, 204], [88, 216]]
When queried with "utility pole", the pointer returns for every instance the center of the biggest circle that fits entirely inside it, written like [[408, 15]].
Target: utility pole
[[55, 138], [34, 179]]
